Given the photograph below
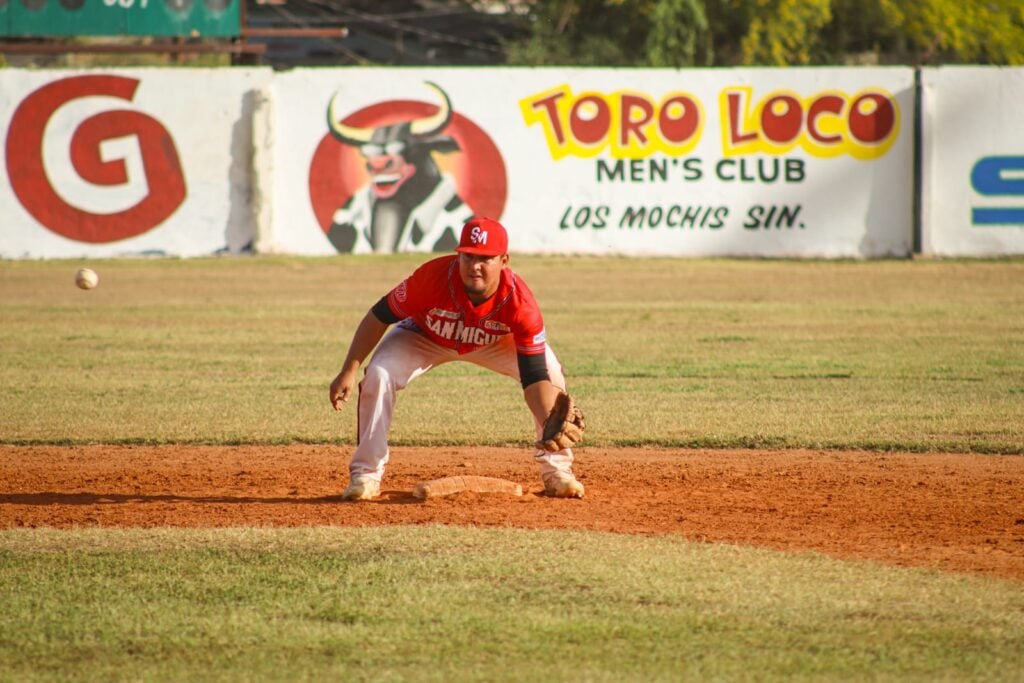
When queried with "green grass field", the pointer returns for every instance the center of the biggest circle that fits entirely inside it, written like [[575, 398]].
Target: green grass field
[[887, 354], [895, 355], [442, 604]]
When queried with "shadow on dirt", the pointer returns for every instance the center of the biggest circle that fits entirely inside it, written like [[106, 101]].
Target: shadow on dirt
[[86, 498]]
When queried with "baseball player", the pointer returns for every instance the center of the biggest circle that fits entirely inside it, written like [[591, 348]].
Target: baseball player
[[468, 306]]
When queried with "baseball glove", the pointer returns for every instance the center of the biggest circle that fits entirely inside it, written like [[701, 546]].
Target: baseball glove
[[564, 425]]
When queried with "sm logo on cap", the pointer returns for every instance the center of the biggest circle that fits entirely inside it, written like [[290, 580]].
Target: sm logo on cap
[[478, 236]]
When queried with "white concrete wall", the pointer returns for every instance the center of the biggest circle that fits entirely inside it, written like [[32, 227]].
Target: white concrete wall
[[973, 161], [804, 162]]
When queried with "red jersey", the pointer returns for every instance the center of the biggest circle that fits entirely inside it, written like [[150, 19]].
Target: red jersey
[[433, 297]]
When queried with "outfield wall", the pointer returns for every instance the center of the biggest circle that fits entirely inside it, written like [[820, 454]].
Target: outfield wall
[[803, 162], [973, 161]]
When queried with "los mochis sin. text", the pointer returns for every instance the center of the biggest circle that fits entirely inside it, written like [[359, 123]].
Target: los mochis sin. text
[[678, 217]]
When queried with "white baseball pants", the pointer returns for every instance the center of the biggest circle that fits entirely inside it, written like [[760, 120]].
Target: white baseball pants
[[402, 356]]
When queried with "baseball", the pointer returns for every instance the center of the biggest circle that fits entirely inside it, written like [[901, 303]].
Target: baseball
[[86, 278]]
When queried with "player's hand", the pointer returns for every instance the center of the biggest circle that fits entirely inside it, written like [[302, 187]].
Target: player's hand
[[341, 388]]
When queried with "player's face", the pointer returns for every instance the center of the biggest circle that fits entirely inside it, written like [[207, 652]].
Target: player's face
[[481, 274]]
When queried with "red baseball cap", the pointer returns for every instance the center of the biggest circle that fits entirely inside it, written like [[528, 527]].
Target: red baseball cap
[[483, 237]]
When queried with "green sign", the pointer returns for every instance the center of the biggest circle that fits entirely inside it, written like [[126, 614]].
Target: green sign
[[193, 18]]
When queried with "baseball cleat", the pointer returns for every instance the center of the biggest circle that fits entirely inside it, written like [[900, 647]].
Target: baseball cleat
[[362, 488], [563, 485]]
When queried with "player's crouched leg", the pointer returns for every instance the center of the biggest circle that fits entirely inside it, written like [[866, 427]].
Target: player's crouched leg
[[556, 473], [376, 408]]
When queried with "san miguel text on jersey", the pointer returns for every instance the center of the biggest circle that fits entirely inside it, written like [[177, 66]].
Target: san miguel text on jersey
[[447, 324]]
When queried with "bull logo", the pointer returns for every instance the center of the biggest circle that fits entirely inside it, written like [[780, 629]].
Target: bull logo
[[408, 204]]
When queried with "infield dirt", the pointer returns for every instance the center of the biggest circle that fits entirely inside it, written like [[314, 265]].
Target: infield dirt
[[953, 512]]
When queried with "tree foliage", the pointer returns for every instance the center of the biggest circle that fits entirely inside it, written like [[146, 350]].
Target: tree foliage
[[677, 33], [581, 33], [982, 31]]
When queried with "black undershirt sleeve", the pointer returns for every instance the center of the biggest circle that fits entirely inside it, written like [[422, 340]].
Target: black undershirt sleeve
[[384, 312], [532, 368]]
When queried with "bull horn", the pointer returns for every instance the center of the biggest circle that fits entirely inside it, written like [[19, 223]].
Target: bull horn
[[429, 125], [348, 134]]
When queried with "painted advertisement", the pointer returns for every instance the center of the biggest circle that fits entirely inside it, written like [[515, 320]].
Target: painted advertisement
[[126, 162], [742, 162], [973, 161]]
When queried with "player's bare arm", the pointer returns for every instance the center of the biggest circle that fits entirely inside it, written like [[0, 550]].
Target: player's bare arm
[[540, 397], [366, 337]]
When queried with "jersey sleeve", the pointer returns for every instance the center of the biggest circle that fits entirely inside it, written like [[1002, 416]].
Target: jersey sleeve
[[398, 298], [528, 330], [417, 293]]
